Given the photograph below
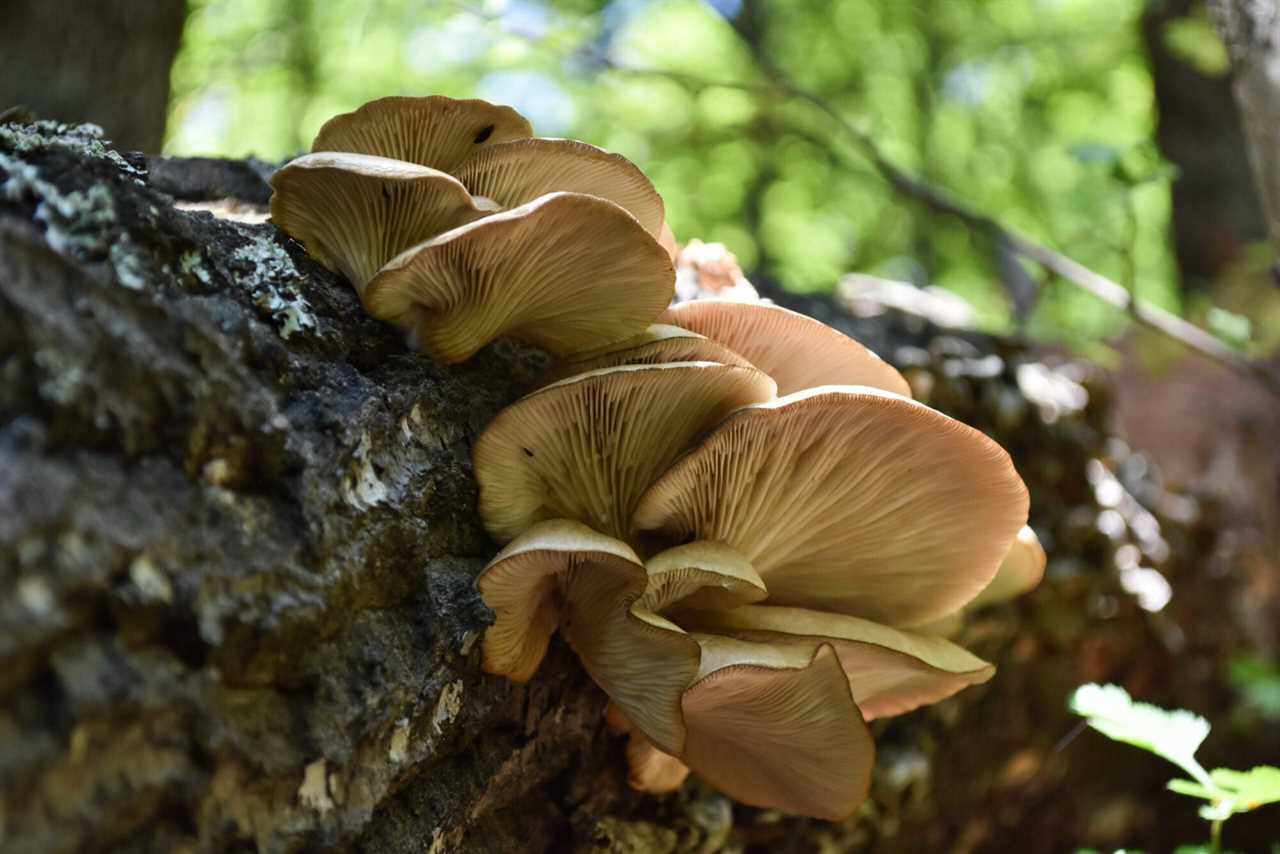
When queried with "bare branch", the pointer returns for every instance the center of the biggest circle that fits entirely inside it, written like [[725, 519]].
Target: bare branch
[[1145, 313]]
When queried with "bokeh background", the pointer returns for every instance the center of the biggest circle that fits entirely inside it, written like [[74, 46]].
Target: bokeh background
[[1105, 129]]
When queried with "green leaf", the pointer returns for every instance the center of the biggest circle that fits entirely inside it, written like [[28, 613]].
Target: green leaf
[[1234, 791], [1173, 735], [1250, 789]]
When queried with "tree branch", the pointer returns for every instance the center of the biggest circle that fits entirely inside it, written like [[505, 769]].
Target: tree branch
[[1144, 313]]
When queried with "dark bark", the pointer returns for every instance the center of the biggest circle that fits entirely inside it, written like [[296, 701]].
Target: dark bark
[[105, 62], [238, 541], [1216, 212], [1251, 30]]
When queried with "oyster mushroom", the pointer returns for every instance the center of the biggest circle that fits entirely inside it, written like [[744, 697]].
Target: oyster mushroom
[[848, 499], [434, 131], [355, 212], [513, 173], [563, 574], [658, 344], [796, 350], [586, 447], [890, 671], [565, 272]]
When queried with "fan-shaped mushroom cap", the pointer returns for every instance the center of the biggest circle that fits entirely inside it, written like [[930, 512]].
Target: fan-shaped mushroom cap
[[797, 351], [513, 173], [700, 575], [777, 727], [434, 131], [656, 345], [564, 272], [1020, 571], [848, 499], [355, 212], [585, 448], [562, 573], [667, 238], [890, 671]]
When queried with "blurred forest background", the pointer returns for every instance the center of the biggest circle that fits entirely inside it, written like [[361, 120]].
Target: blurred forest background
[[912, 141]]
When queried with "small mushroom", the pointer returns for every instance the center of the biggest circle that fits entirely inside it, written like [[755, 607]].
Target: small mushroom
[[561, 573], [797, 351], [776, 727], [513, 173], [656, 345], [565, 272], [1020, 571], [586, 447], [355, 212], [889, 671], [848, 499], [650, 769], [434, 131]]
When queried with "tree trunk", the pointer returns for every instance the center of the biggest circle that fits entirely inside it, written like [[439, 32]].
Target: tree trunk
[[238, 542], [1251, 29], [106, 62]]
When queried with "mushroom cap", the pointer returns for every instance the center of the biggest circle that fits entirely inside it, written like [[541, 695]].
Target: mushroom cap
[[667, 238], [512, 173], [1019, 572], [650, 769], [889, 671], [355, 212], [848, 499], [562, 573], [434, 131], [586, 447], [701, 575], [796, 350], [656, 345], [564, 272], [777, 728]]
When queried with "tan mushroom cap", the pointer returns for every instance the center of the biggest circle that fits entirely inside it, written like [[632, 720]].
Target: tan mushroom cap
[[667, 238], [355, 212], [656, 345], [777, 728], [651, 770], [848, 499], [701, 575], [797, 351], [512, 173], [1020, 571], [434, 131], [565, 272], [585, 448], [890, 671], [560, 573]]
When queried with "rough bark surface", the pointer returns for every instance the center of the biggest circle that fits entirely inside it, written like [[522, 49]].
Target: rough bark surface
[[1251, 29], [238, 543]]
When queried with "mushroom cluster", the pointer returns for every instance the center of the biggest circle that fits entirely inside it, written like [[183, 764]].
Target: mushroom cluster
[[751, 535]]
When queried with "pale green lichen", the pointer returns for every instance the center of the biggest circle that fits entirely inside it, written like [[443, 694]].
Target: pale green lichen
[[273, 269]]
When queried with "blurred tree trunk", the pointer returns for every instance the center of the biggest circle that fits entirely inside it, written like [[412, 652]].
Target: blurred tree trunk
[[1215, 201], [105, 61], [1251, 29]]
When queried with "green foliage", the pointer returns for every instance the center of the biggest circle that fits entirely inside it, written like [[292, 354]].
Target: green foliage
[[1040, 112], [1259, 682], [1176, 736]]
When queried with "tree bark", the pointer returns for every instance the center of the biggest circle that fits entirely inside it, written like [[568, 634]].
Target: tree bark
[[106, 62], [1251, 30], [238, 543]]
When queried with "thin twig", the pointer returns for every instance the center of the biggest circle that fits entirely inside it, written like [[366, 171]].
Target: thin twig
[[1145, 313]]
